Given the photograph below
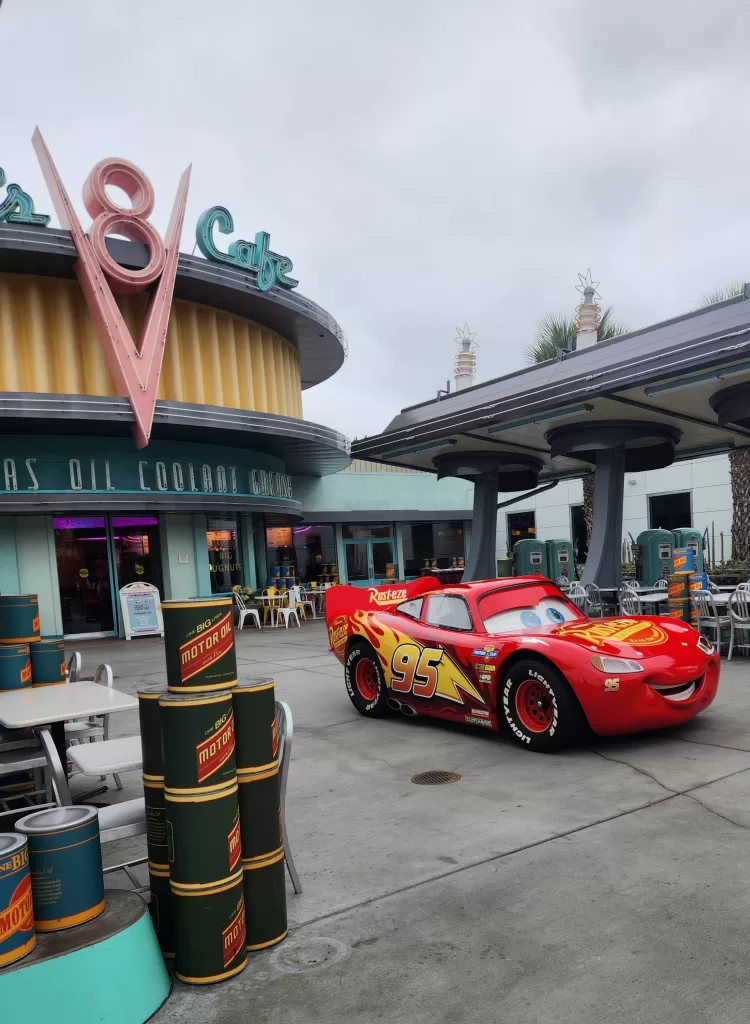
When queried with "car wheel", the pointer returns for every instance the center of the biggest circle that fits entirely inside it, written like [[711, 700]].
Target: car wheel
[[365, 682], [541, 710]]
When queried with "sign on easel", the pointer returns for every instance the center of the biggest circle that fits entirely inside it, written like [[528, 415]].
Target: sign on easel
[[141, 611]]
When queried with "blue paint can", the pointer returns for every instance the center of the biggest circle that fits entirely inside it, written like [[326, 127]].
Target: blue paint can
[[15, 666], [48, 661], [17, 935], [683, 561], [65, 859], [19, 618]]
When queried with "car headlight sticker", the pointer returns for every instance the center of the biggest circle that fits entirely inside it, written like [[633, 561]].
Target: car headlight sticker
[[620, 666], [705, 645]]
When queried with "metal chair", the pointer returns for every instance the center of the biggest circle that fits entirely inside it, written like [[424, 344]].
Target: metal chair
[[24, 759], [661, 584], [709, 619], [285, 733], [630, 603], [302, 601], [96, 727], [73, 671], [121, 821], [739, 611], [286, 613], [245, 612], [563, 583], [594, 603], [577, 596]]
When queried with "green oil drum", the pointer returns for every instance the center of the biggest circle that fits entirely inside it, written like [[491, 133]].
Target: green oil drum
[[256, 741], [149, 714], [19, 618], [17, 935], [47, 661], [198, 733], [15, 666], [260, 817], [161, 907], [203, 837], [210, 930], [199, 644], [65, 858], [156, 824], [265, 901]]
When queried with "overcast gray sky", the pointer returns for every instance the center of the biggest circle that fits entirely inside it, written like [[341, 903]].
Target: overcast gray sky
[[422, 162]]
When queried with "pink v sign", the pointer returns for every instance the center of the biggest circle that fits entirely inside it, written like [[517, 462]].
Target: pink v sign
[[136, 367]]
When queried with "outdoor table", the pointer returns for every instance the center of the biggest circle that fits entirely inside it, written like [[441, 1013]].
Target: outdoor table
[[653, 597], [53, 706]]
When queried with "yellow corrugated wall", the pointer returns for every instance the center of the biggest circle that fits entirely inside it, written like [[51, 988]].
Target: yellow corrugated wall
[[48, 345]]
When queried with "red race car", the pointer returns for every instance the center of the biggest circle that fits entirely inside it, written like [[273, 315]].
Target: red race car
[[516, 651]]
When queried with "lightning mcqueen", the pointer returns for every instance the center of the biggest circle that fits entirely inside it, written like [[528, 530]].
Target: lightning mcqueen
[[516, 651]]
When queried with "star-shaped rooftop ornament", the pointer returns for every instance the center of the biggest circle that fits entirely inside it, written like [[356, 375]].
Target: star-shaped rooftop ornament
[[588, 285], [464, 335]]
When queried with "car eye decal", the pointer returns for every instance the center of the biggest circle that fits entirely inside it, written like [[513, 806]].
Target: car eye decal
[[530, 619], [555, 615]]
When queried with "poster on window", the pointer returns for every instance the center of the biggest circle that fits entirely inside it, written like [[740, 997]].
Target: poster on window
[[141, 611]]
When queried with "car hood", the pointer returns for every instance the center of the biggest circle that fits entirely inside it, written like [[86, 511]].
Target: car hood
[[618, 636]]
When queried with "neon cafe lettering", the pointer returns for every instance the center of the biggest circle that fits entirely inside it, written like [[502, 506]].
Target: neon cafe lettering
[[199, 478], [269, 267]]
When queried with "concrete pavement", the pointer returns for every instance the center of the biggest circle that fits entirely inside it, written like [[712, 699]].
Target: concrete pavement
[[601, 884]]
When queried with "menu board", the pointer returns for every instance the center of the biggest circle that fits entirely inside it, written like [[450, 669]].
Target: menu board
[[141, 611]]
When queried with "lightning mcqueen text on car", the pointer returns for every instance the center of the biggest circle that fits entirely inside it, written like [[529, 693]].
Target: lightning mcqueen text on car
[[516, 651]]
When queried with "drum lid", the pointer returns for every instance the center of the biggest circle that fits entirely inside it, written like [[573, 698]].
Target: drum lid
[[56, 820], [11, 842]]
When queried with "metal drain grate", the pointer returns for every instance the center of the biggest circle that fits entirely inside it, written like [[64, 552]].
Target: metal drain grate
[[435, 778]]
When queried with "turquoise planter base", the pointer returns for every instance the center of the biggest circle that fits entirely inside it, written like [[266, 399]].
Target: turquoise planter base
[[109, 971]]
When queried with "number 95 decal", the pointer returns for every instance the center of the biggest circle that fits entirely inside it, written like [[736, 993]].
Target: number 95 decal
[[414, 670]]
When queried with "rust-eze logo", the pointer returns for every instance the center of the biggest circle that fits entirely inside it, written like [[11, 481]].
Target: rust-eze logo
[[387, 595], [235, 849], [207, 648], [233, 936], [19, 914], [216, 750], [338, 632]]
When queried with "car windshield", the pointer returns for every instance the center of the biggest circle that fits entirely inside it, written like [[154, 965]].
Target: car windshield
[[525, 609]]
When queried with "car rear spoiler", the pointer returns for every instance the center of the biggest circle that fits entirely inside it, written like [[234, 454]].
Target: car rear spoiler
[[345, 600]]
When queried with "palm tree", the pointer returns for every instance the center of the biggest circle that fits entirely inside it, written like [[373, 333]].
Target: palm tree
[[557, 332], [739, 461]]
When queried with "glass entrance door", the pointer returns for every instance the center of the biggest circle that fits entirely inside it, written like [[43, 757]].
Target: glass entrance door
[[83, 571], [368, 561]]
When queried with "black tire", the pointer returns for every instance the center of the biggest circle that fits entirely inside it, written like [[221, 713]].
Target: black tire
[[365, 682], [539, 707]]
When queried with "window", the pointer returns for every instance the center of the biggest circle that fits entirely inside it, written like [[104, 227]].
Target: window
[[448, 611], [579, 533], [525, 608], [521, 526], [423, 542], [669, 511], [225, 568], [413, 609], [307, 552]]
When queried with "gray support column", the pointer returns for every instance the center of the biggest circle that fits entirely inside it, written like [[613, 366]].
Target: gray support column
[[604, 562], [480, 563]]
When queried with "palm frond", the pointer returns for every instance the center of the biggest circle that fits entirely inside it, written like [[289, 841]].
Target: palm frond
[[610, 328], [729, 291], [554, 332]]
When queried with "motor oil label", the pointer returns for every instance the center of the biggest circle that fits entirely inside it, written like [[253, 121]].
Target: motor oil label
[[216, 750], [206, 648], [235, 846], [233, 936]]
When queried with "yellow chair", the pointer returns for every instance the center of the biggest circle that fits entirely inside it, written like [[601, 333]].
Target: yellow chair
[[267, 606]]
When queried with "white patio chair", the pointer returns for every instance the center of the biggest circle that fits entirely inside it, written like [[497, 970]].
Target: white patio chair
[[744, 586], [739, 610], [109, 757], [661, 584], [630, 602], [577, 596], [121, 821], [709, 620], [75, 664], [286, 613], [594, 603], [96, 727], [30, 757], [285, 733], [245, 612], [563, 583], [303, 601]]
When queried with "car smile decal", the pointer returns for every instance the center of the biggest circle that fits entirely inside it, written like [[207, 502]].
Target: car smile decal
[[635, 632], [410, 667]]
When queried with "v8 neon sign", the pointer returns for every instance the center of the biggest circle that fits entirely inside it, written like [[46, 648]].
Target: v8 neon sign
[[135, 366]]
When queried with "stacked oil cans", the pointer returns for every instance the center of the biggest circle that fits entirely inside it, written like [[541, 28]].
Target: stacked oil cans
[[196, 834], [25, 658]]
